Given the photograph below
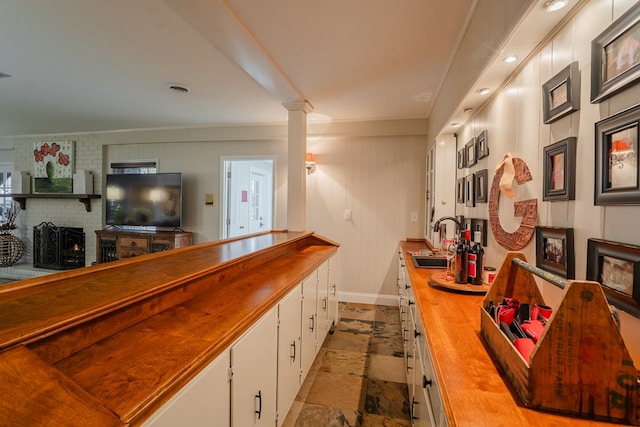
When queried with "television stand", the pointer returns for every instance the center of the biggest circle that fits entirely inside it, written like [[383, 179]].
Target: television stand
[[113, 244]]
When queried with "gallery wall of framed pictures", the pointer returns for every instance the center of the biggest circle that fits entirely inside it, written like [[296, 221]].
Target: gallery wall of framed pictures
[[584, 151], [472, 188]]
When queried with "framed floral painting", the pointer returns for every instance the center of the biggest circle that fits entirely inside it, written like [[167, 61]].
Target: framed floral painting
[[53, 167]]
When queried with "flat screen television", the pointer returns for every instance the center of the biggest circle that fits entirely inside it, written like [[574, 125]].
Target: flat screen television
[[144, 200]]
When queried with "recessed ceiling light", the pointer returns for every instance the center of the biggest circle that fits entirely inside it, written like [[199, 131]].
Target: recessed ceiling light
[[553, 5], [178, 87], [511, 58], [455, 124], [484, 91]]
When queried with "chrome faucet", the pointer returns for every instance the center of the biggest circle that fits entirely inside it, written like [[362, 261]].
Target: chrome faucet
[[436, 225]]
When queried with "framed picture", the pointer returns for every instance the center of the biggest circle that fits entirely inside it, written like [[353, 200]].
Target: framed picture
[[460, 193], [615, 56], [470, 152], [561, 94], [559, 165], [616, 157], [482, 147], [469, 189], [481, 183], [53, 164], [616, 266], [555, 251], [462, 160], [481, 226]]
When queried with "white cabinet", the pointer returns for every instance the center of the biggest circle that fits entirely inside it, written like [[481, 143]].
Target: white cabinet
[[309, 322], [323, 302], [204, 401], [253, 383], [424, 394], [289, 351], [333, 290]]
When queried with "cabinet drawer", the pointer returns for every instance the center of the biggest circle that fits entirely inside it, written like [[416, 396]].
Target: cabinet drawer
[[132, 243]]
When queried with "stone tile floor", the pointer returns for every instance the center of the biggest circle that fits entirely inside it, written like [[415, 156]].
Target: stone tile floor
[[358, 377]]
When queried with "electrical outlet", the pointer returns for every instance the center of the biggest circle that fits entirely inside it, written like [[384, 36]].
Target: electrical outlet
[[414, 216], [347, 214]]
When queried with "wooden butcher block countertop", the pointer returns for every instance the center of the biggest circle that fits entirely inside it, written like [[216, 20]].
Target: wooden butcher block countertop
[[109, 344], [474, 388]]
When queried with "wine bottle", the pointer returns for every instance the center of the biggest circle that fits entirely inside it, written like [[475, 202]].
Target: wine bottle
[[476, 260], [461, 260]]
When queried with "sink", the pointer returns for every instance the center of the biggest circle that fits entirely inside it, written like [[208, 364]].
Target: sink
[[427, 261]]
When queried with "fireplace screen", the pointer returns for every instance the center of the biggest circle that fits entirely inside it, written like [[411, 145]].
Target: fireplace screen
[[57, 248]]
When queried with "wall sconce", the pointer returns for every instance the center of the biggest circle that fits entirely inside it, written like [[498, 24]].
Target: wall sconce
[[310, 162]]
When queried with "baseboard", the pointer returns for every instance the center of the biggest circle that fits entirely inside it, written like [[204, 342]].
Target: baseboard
[[368, 298]]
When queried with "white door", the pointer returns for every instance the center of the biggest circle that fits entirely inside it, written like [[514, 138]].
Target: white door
[[289, 351], [309, 322], [323, 302], [259, 206], [204, 401], [247, 196], [253, 382]]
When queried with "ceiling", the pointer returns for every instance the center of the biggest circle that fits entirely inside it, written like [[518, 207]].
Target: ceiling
[[95, 65]]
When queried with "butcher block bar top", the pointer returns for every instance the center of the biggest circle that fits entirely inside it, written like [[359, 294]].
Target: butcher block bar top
[[475, 390], [109, 344]]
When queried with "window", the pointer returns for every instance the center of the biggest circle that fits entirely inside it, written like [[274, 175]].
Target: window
[[6, 169], [133, 167]]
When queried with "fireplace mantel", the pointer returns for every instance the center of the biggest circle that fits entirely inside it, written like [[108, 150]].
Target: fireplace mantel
[[85, 199]]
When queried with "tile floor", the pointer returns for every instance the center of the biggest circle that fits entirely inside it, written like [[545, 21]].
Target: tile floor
[[358, 377]]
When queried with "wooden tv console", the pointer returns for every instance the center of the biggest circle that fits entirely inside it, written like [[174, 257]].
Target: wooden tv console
[[114, 244]]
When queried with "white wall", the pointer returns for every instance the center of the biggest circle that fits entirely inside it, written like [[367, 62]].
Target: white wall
[[195, 152], [375, 170], [513, 119]]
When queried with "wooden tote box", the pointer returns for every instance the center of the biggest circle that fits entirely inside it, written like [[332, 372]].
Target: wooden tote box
[[580, 364]]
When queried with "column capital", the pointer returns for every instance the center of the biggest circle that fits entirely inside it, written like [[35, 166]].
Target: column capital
[[298, 106]]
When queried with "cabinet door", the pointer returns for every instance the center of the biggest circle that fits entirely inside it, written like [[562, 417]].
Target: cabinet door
[[421, 414], [428, 383], [204, 401], [309, 323], [253, 384], [333, 290], [323, 302], [289, 366]]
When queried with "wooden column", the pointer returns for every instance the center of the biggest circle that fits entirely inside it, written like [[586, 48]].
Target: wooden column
[[296, 170]]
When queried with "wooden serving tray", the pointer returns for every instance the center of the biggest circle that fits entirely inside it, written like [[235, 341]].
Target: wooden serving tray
[[439, 280]]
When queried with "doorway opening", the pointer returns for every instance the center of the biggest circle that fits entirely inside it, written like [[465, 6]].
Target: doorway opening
[[247, 202]]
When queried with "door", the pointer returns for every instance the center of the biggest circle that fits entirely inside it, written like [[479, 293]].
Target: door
[[247, 196], [309, 322], [259, 208], [289, 351], [204, 401], [253, 382]]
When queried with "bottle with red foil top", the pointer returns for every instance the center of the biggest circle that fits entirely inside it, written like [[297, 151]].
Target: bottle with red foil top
[[475, 260]]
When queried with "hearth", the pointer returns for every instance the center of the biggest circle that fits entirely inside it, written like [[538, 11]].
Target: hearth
[[58, 248]]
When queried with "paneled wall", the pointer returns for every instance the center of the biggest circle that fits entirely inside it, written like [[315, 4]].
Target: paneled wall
[[376, 172], [513, 119]]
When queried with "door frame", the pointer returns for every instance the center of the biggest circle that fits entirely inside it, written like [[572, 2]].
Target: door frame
[[224, 187]]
